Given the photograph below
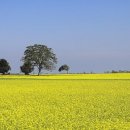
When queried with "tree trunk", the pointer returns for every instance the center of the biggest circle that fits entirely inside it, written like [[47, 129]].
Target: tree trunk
[[3, 73], [39, 70]]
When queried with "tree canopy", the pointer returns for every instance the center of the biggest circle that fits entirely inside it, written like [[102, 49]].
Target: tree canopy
[[40, 56], [64, 67], [27, 68], [4, 66]]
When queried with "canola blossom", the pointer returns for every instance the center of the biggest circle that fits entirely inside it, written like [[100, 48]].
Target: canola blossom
[[65, 101]]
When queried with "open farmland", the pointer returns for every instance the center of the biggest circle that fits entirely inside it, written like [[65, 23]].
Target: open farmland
[[70, 102]]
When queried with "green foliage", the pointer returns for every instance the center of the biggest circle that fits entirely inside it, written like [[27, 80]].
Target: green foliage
[[40, 56], [4, 66], [27, 68], [64, 67]]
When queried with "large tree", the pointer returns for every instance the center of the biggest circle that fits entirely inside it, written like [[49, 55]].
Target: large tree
[[4, 66], [64, 67], [27, 68], [40, 56]]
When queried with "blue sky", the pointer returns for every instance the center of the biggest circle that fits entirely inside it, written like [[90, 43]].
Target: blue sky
[[88, 35]]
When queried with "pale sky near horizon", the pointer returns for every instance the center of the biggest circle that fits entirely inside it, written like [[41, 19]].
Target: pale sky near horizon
[[88, 35]]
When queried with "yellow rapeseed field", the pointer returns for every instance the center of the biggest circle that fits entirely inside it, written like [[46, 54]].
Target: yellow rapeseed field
[[65, 102]]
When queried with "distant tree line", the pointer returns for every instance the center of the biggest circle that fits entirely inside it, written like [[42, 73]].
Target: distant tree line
[[40, 57], [119, 71], [35, 56]]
